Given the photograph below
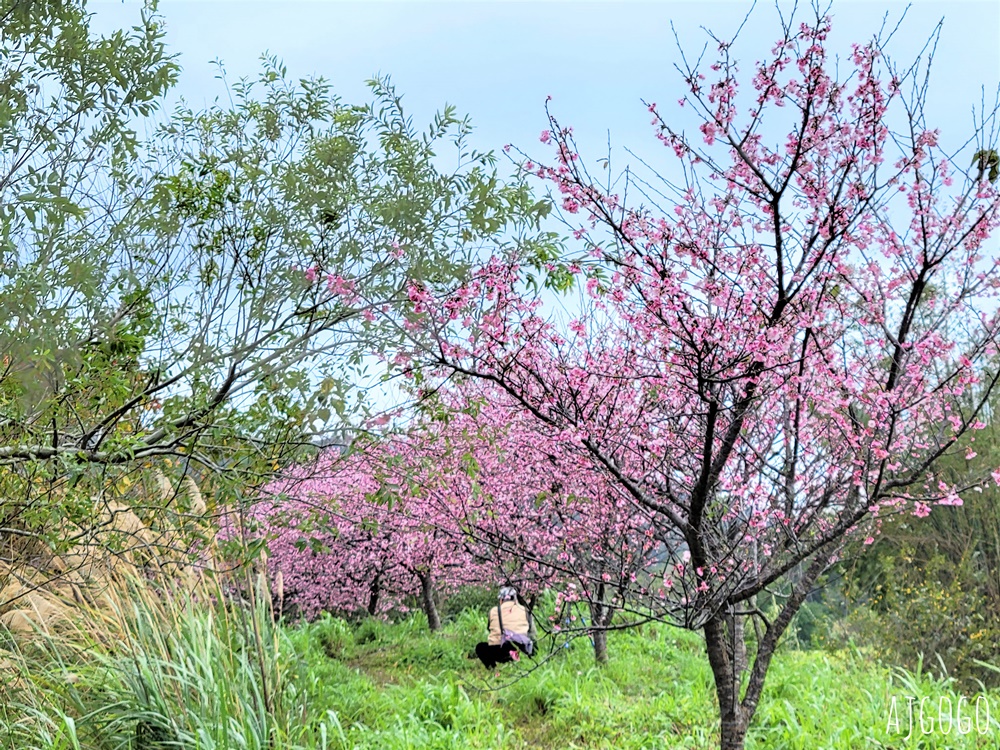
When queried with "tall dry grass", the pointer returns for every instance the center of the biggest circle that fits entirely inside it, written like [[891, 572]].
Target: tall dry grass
[[137, 637], [143, 534], [156, 665]]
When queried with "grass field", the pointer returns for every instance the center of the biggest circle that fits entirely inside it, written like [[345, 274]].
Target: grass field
[[400, 687], [199, 677]]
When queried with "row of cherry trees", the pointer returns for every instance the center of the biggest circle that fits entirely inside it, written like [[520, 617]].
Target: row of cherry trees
[[476, 497]]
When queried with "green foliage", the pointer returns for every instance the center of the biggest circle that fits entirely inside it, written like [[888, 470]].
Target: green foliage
[[925, 606], [987, 159], [202, 301], [201, 675], [76, 318], [164, 671], [928, 591], [469, 598]]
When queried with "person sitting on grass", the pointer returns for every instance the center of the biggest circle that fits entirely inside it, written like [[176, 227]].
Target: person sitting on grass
[[509, 624]]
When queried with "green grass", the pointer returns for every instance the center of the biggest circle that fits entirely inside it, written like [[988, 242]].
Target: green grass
[[178, 674], [397, 686]]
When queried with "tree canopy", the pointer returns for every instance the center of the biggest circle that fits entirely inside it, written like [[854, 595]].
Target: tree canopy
[[196, 292]]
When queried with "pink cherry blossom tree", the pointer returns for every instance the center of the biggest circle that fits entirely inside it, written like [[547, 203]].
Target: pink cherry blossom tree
[[479, 497], [782, 332], [539, 515], [343, 537]]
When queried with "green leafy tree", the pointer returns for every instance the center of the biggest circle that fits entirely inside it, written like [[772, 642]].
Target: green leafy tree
[[69, 101], [202, 301]]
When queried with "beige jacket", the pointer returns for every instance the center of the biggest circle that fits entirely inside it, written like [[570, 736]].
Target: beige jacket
[[515, 619]]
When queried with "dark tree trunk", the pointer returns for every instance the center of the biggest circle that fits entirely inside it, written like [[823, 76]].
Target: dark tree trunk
[[725, 655], [427, 598], [733, 719], [374, 592], [532, 629], [600, 618], [601, 646]]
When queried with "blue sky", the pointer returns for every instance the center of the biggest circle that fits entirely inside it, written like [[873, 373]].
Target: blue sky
[[497, 61]]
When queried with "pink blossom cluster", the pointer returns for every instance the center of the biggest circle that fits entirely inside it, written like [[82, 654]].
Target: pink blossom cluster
[[482, 498]]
